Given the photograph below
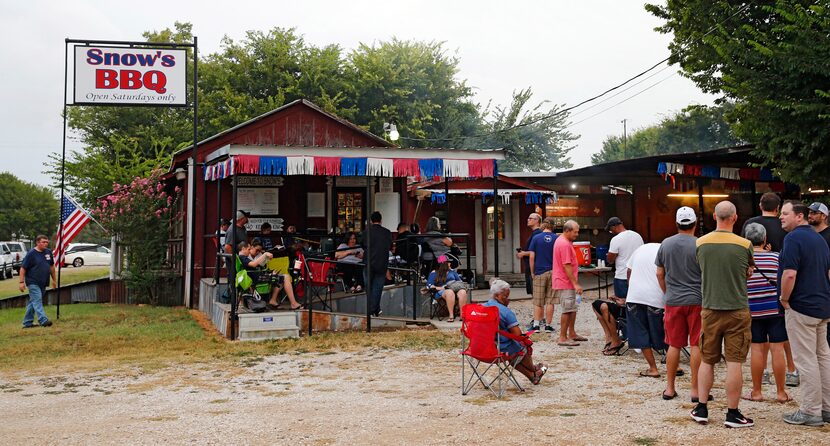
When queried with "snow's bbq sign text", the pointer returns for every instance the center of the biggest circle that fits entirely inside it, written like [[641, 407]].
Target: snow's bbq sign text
[[130, 76]]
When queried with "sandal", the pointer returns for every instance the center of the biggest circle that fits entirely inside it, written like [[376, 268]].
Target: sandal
[[298, 307], [568, 344], [538, 376], [450, 320], [748, 396], [645, 373], [580, 338], [613, 351], [607, 344], [669, 397]]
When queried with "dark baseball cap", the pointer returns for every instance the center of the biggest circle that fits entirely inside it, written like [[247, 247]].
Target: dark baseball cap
[[613, 221]]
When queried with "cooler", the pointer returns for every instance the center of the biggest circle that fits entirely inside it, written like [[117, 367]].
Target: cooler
[[583, 253]]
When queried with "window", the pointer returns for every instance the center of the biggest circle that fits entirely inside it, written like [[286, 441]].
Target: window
[[500, 223]]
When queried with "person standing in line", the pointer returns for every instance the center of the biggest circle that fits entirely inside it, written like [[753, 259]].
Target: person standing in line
[[37, 267], [770, 206], [769, 332], [819, 214], [378, 242], [223, 229], [804, 281], [678, 274], [534, 222], [566, 284], [541, 266], [623, 244], [644, 306], [726, 261]]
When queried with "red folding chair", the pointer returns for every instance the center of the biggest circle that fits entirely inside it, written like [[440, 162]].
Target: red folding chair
[[318, 281], [480, 325]]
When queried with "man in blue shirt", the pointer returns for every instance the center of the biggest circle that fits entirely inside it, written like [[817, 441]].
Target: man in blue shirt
[[541, 264], [37, 267], [804, 281], [500, 298]]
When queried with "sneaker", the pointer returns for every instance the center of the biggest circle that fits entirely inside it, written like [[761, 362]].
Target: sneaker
[[46, 324], [700, 414], [549, 329], [737, 419], [799, 417], [533, 327], [765, 378], [825, 415], [793, 379]]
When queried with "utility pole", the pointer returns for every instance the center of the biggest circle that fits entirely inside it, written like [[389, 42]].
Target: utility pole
[[625, 137]]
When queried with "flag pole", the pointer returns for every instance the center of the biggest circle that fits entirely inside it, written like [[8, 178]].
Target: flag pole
[[63, 174]]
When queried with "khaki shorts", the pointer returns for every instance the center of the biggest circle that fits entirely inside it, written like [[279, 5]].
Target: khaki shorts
[[732, 328], [543, 290], [568, 300]]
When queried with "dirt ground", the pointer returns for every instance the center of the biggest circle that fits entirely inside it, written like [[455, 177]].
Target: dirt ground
[[381, 397]]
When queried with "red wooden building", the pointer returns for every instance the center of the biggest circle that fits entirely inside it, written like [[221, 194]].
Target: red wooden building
[[300, 165]]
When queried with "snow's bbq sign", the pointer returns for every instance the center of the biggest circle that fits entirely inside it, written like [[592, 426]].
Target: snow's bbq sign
[[130, 76]]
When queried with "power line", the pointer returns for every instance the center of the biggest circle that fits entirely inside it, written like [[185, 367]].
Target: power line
[[624, 100], [567, 109]]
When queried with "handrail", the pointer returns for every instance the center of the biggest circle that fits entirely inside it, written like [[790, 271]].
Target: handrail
[[368, 316]]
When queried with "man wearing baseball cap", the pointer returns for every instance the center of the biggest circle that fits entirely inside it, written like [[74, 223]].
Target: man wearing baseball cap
[[622, 246], [818, 220], [237, 233], [678, 274]]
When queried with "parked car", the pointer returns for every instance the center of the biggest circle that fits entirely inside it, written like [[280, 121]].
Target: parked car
[[7, 261], [80, 254], [19, 251]]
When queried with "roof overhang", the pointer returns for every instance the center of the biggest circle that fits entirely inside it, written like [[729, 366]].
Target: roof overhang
[[352, 152]]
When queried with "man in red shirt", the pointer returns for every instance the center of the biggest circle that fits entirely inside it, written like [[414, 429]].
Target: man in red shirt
[[565, 284]]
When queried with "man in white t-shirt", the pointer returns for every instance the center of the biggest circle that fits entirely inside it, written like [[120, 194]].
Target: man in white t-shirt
[[645, 305], [623, 245]]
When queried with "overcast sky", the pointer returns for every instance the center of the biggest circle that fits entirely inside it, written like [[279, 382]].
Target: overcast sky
[[566, 51]]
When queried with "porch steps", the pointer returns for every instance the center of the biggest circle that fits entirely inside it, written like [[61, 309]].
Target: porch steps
[[514, 279], [271, 325]]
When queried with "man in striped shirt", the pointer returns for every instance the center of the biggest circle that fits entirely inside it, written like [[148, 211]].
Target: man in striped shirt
[[769, 331]]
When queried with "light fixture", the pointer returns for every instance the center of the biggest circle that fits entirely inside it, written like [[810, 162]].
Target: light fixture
[[391, 130], [180, 174], [573, 185], [695, 195]]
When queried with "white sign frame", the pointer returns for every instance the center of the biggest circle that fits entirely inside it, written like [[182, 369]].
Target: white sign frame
[[101, 71]]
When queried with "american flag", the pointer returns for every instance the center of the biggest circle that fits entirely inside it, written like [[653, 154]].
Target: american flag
[[74, 218]]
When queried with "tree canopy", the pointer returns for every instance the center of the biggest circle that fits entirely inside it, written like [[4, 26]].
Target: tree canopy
[[26, 209], [772, 57], [693, 129], [414, 84]]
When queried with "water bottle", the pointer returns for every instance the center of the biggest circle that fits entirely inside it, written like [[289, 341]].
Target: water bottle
[[579, 299]]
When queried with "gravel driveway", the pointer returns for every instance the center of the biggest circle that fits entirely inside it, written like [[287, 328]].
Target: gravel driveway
[[380, 397]]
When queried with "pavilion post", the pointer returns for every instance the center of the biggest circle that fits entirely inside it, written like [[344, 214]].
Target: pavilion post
[[447, 202], [232, 261], [700, 206], [495, 220]]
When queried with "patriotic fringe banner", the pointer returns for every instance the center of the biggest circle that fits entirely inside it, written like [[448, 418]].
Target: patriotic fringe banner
[[379, 167], [336, 166], [438, 198], [327, 165], [726, 173], [351, 167]]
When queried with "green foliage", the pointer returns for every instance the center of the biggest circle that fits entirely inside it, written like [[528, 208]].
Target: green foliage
[[26, 209], [139, 214], [414, 85], [772, 58], [537, 144], [694, 129]]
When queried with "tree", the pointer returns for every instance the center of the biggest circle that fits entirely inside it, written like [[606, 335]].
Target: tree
[[26, 209], [773, 58], [695, 128], [530, 142], [414, 85]]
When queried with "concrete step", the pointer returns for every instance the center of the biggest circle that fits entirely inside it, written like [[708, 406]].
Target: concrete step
[[271, 325]]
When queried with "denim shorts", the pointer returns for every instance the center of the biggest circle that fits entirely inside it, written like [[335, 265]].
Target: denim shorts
[[621, 288], [645, 326]]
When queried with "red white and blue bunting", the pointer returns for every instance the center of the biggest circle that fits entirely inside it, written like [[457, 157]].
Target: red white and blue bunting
[[336, 166]]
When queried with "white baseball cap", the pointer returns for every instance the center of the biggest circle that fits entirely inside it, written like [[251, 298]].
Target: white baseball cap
[[819, 207], [685, 215]]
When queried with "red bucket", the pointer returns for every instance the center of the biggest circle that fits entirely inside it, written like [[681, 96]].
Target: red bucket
[[583, 253]]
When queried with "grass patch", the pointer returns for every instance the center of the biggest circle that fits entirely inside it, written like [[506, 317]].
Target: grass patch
[[102, 336], [645, 441], [9, 287]]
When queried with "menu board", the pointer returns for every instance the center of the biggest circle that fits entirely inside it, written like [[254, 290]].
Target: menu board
[[349, 211], [258, 200]]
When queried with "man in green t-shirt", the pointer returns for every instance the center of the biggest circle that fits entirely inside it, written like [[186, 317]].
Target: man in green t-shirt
[[726, 262]]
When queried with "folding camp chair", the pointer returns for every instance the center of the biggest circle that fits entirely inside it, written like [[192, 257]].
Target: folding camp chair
[[480, 325], [319, 281]]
